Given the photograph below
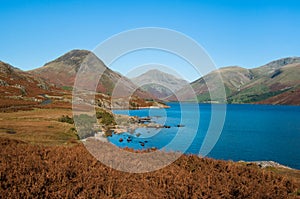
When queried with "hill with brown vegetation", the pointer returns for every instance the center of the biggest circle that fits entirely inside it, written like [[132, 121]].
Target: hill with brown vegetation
[[36, 171], [277, 82], [21, 89], [63, 70], [288, 98]]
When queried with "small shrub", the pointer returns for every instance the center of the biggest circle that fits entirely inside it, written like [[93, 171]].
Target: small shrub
[[73, 129], [105, 117], [66, 119]]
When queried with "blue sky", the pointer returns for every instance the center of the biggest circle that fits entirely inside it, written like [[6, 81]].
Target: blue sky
[[247, 33]]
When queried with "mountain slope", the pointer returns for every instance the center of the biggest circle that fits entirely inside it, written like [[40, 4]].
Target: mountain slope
[[233, 78], [19, 88], [62, 71], [159, 84], [269, 82], [277, 82]]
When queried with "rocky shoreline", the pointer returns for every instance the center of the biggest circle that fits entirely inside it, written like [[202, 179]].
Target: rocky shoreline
[[266, 164]]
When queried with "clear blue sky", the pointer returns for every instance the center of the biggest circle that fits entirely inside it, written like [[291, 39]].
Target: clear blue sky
[[248, 33]]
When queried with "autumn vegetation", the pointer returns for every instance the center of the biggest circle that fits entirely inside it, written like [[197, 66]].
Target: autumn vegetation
[[38, 171]]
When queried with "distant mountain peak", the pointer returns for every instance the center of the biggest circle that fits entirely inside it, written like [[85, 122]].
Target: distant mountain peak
[[72, 58], [7, 68], [155, 71], [282, 62], [158, 75], [158, 83]]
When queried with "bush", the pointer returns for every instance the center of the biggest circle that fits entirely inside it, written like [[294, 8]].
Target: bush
[[105, 117], [66, 119]]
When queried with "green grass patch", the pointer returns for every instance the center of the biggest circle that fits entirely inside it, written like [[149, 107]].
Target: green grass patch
[[67, 88], [253, 97]]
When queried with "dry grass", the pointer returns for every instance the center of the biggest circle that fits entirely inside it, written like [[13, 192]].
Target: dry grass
[[40, 126], [289, 173], [35, 171]]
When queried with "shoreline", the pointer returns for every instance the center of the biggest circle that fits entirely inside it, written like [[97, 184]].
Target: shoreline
[[263, 164], [267, 164]]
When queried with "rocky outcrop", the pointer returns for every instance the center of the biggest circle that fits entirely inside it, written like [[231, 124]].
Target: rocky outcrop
[[3, 83]]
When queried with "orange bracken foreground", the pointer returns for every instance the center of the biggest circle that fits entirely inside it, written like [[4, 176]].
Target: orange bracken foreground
[[38, 171]]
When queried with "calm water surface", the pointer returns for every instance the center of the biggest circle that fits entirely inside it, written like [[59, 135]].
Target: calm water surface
[[250, 132]]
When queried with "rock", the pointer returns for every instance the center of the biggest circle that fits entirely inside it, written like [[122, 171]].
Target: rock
[[265, 164], [43, 86], [3, 83], [138, 134]]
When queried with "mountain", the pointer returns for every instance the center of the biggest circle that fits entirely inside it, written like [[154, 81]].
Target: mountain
[[19, 88], [277, 82], [62, 71], [269, 82], [158, 83], [233, 77], [275, 65], [15, 82]]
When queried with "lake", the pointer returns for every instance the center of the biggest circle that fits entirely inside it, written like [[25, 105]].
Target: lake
[[250, 132]]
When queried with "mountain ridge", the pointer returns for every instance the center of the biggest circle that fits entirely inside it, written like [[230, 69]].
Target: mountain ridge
[[62, 71], [254, 85], [158, 83], [276, 82]]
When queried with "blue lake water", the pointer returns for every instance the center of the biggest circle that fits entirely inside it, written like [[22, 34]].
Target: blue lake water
[[250, 132]]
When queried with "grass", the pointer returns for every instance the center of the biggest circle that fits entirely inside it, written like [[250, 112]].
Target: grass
[[250, 98], [39, 126], [67, 88]]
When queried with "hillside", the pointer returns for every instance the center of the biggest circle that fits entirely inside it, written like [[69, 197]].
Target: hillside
[[158, 83], [269, 83], [277, 82], [233, 78], [21, 89], [62, 72]]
